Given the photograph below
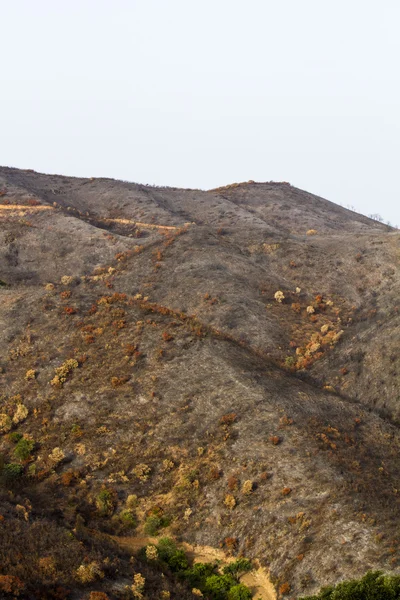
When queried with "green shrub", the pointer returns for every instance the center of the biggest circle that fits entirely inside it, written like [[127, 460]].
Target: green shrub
[[154, 523], [128, 518], [373, 586], [14, 437], [238, 568], [23, 449], [218, 586], [198, 573], [12, 471], [105, 503], [169, 553], [239, 592]]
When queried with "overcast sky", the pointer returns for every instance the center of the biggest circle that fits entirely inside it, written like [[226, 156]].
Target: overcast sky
[[204, 93]]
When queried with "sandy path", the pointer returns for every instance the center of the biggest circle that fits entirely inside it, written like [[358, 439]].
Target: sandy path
[[257, 580]]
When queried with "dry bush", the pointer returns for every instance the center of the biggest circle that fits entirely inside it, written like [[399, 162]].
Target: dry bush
[[142, 471], [67, 279], [233, 483], [89, 572], [228, 419], [63, 371], [247, 487], [284, 588], [47, 566], [5, 423], [118, 381], [138, 586], [30, 374], [230, 501], [20, 414], [275, 440], [10, 584], [56, 456]]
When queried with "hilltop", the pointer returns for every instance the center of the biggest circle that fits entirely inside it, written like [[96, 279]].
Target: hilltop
[[228, 357]]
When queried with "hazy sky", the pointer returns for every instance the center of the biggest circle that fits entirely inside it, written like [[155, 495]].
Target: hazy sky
[[204, 93]]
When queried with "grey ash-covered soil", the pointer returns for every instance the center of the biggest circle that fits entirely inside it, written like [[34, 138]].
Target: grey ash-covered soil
[[188, 365]]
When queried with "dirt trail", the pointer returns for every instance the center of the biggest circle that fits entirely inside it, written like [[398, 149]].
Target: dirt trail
[[25, 208], [257, 581], [146, 225]]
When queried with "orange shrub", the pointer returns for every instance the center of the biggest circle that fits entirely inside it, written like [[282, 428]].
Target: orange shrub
[[233, 482], [9, 584], [275, 440], [284, 588], [118, 381], [228, 419]]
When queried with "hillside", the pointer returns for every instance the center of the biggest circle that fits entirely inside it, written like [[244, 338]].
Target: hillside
[[144, 352]]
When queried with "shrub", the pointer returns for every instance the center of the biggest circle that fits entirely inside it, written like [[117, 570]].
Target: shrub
[[374, 585], [30, 374], [5, 423], [233, 482], [12, 471], [47, 566], [275, 440], [67, 279], [218, 586], [238, 567], [151, 552], [154, 523], [128, 518], [105, 503], [24, 448], [228, 419], [63, 371], [88, 573], [20, 414], [230, 501], [247, 487], [290, 362], [239, 592], [284, 588], [131, 501], [9, 584], [142, 471], [138, 585], [279, 296], [56, 456]]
